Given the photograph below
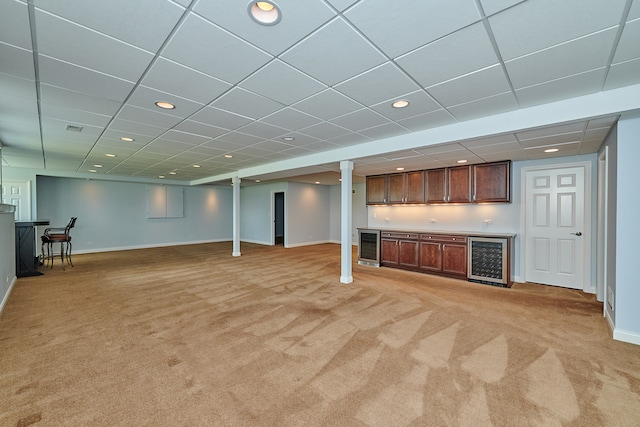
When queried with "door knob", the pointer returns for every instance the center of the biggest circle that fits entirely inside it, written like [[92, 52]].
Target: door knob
[[577, 234]]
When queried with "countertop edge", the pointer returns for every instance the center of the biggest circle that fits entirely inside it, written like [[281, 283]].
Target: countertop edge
[[443, 232]]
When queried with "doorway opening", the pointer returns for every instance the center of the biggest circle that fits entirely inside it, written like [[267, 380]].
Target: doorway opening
[[278, 215]]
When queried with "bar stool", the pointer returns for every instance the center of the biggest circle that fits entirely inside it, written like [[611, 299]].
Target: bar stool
[[59, 235]]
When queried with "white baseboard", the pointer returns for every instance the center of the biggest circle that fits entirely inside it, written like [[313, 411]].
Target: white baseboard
[[148, 246], [626, 336], [257, 242], [6, 296], [295, 245]]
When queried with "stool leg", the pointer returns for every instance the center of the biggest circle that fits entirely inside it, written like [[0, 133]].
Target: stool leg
[[62, 254]]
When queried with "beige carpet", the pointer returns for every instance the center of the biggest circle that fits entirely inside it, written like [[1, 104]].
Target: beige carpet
[[190, 336]]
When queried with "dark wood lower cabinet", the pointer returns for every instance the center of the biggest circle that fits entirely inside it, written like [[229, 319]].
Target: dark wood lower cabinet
[[430, 253]]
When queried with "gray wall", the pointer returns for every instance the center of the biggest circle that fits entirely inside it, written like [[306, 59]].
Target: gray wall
[[7, 255], [307, 211], [112, 215]]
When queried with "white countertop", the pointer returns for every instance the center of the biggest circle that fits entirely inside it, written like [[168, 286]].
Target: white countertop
[[447, 232]]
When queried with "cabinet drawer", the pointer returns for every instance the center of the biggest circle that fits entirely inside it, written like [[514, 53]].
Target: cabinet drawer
[[443, 238], [398, 235]]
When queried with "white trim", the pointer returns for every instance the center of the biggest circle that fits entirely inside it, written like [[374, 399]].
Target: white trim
[[297, 245], [257, 242], [626, 336], [587, 286], [6, 295], [273, 217], [147, 246], [602, 221], [346, 279]]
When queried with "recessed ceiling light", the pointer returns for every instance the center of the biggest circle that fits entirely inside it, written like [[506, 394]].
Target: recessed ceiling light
[[257, 180], [110, 155], [317, 182], [228, 156], [173, 173], [401, 103], [161, 176], [165, 105], [264, 12], [399, 169], [126, 139], [73, 128], [551, 150], [97, 166], [462, 161], [196, 166], [288, 138], [93, 170]]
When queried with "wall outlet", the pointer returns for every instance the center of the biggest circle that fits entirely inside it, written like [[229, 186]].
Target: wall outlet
[[387, 220], [375, 215], [488, 221], [432, 220]]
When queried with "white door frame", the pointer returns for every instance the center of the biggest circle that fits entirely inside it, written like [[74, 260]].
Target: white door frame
[[602, 220], [588, 226], [273, 217]]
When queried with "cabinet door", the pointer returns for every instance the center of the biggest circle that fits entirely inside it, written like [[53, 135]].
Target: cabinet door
[[377, 190], [414, 187], [435, 184], [431, 256], [459, 184], [396, 185], [389, 251], [408, 253], [492, 182], [454, 258]]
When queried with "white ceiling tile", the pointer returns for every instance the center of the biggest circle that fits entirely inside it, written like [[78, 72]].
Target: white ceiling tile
[[493, 6], [282, 83], [327, 105], [16, 86], [567, 87], [324, 131], [551, 131], [590, 146], [481, 84], [485, 107], [535, 25], [16, 62], [145, 97], [495, 148], [198, 128], [488, 141], [604, 122], [623, 74], [127, 127], [147, 117], [428, 120], [239, 138], [74, 116], [599, 133], [419, 103], [590, 52], [448, 151], [333, 54], [77, 45], [298, 19], [14, 24], [111, 136], [515, 156], [263, 130], [341, 5], [68, 76], [349, 139], [184, 137], [568, 138], [291, 119], [220, 118], [246, 103], [457, 54], [171, 77], [384, 131], [387, 82], [78, 101], [125, 20], [169, 148], [629, 44], [359, 120], [381, 20], [200, 45], [17, 109]]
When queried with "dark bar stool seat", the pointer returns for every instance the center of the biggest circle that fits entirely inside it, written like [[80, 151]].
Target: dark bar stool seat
[[59, 235]]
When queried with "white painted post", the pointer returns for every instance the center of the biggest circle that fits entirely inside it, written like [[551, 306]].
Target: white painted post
[[236, 216], [346, 275]]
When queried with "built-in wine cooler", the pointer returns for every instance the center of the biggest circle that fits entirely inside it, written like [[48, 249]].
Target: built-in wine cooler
[[489, 260], [369, 247]]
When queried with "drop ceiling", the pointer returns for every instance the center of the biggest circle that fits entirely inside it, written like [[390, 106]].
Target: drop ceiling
[[76, 76]]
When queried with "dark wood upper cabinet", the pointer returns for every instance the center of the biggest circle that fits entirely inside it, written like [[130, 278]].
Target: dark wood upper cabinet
[[492, 182], [414, 190], [435, 183], [377, 190], [396, 188], [481, 183], [459, 184]]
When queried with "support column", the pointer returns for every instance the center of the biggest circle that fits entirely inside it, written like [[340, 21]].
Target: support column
[[236, 216], [346, 198]]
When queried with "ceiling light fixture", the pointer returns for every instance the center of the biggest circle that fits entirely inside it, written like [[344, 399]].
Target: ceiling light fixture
[[401, 103], [173, 173], [126, 139], [288, 138], [165, 105], [264, 12], [97, 166], [317, 182], [462, 161], [257, 180], [399, 169], [110, 155], [228, 156], [161, 176], [551, 150], [196, 166], [93, 170]]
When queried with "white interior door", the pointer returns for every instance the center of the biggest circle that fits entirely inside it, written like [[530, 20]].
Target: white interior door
[[555, 226], [17, 193]]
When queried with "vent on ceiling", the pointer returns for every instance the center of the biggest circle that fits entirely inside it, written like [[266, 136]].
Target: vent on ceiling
[[72, 128]]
